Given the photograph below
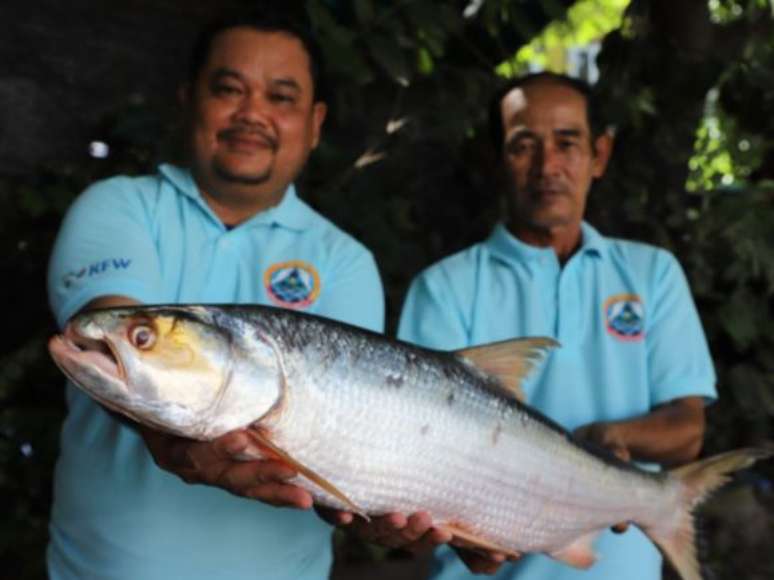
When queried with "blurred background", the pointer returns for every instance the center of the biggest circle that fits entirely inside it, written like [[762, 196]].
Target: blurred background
[[88, 91]]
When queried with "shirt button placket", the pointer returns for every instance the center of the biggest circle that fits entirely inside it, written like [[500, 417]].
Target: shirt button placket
[[222, 281], [568, 305]]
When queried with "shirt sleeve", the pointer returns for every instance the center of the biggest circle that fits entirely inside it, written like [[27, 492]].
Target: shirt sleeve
[[104, 247], [679, 359], [353, 291], [431, 316]]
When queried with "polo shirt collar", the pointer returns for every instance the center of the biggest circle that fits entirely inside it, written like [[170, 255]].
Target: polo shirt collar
[[290, 213], [593, 242], [508, 247]]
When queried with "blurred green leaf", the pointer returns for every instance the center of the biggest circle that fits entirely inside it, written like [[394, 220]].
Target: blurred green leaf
[[424, 61]]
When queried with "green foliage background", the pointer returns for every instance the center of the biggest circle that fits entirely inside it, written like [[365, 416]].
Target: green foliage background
[[410, 81]]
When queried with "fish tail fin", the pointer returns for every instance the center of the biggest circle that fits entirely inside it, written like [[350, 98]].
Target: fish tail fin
[[677, 540]]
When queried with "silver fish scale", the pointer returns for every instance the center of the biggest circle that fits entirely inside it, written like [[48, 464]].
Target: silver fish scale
[[397, 428]]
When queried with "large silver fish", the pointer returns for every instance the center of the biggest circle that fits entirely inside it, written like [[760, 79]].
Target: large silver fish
[[375, 425]]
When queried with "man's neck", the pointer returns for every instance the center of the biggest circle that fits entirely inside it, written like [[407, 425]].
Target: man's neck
[[237, 204], [564, 240]]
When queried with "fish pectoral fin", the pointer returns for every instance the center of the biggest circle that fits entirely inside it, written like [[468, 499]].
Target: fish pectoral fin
[[470, 541], [510, 361], [579, 554], [270, 450]]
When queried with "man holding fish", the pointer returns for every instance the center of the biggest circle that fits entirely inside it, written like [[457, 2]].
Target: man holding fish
[[227, 229], [231, 230], [633, 371]]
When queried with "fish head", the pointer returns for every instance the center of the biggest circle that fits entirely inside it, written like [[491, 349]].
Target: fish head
[[167, 367]]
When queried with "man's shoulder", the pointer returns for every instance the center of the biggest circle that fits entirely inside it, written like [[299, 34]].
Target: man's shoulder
[[644, 261], [459, 265], [120, 188], [638, 252], [134, 193], [126, 183], [331, 236]]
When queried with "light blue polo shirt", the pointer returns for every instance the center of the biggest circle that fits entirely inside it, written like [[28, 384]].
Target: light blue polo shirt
[[117, 516], [630, 339]]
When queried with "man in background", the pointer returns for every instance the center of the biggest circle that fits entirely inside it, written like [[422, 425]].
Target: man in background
[[228, 228], [633, 369]]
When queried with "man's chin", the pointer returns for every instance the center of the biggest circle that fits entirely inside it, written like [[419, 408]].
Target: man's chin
[[242, 176], [548, 220]]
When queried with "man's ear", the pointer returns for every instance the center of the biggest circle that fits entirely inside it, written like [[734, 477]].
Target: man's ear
[[319, 110], [603, 148]]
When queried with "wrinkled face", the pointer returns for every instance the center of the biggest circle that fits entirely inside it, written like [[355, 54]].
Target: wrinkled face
[[253, 119], [163, 368], [548, 155]]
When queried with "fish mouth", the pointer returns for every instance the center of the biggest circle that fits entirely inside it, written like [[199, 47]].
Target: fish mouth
[[71, 350]]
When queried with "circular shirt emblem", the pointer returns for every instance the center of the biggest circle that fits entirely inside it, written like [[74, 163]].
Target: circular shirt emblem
[[624, 316], [293, 284]]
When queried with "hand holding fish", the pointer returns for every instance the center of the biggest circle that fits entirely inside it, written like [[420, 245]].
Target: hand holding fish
[[218, 463], [415, 534], [670, 435], [607, 435], [479, 562]]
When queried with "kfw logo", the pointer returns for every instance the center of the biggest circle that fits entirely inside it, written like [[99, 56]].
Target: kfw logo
[[95, 269]]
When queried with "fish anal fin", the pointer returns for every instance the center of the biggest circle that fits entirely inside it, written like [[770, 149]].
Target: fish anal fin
[[269, 450], [510, 361], [464, 538], [579, 554]]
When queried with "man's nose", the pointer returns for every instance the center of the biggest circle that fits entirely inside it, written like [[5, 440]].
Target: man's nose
[[254, 109], [546, 160]]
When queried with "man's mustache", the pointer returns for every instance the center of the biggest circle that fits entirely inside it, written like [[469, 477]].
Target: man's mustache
[[248, 134], [548, 187]]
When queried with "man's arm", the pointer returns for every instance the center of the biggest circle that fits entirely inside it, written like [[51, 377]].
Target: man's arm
[[671, 434], [679, 370], [216, 462]]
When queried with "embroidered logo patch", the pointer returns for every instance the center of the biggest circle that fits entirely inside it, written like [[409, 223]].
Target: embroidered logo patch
[[293, 284], [625, 316]]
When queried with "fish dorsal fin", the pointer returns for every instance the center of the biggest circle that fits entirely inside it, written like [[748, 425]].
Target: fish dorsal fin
[[269, 449], [510, 360], [469, 540]]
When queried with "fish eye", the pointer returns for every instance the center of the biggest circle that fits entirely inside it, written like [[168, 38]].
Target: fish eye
[[142, 336]]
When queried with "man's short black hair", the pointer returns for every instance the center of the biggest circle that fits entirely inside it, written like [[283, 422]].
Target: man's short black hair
[[578, 85], [264, 19]]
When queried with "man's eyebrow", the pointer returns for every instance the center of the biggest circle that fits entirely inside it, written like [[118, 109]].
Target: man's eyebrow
[[224, 72], [286, 82], [519, 133], [569, 132]]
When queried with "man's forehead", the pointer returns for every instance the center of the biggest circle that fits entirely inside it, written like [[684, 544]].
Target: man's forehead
[[541, 107], [244, 49], [513, 103]]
